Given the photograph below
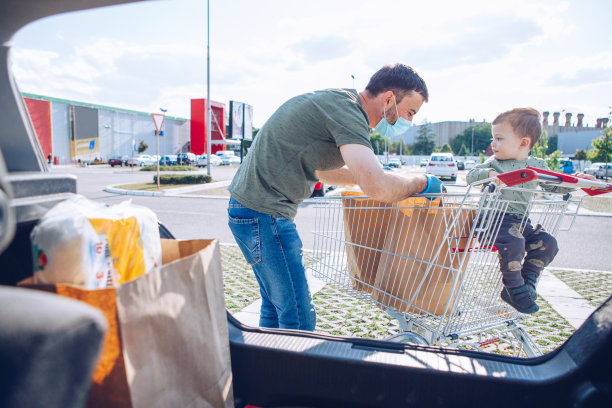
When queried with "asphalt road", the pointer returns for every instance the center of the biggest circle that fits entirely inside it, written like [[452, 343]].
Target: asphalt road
[[586, 246]]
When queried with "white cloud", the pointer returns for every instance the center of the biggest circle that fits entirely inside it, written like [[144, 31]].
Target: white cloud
[[478, 57]]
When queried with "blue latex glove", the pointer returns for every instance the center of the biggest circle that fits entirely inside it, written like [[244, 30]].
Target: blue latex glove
[[434, 185]]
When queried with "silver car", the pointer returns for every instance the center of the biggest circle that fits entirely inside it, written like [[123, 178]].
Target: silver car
[[600, 170]]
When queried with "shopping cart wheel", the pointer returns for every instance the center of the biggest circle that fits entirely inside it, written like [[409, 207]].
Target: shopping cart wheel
[[408, 337]]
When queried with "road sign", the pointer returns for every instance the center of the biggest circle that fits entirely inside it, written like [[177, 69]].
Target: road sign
[[158, 119]]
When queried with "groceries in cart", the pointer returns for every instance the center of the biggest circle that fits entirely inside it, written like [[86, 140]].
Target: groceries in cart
[[524, 250], [90, 245], [384, 240]]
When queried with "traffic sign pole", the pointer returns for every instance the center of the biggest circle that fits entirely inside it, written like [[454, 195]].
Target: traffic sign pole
[[158, 120]]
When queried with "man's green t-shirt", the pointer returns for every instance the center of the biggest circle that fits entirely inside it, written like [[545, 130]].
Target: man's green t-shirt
[[302, 136]]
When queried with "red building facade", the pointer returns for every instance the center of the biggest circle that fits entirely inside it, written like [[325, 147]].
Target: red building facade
[[198, 126]]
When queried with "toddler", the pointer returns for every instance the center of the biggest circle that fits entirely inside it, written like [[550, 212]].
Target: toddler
[[522, 254]]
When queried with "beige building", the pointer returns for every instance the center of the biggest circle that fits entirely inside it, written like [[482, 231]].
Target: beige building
[[444, 131]]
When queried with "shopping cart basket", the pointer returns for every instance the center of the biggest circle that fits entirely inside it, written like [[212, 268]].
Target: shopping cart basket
[[429, 261]]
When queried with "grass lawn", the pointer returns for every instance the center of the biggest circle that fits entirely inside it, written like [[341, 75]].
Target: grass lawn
[[598, 203], [150, 186]]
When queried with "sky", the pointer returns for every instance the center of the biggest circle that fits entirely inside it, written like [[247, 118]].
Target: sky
[[478, 58]]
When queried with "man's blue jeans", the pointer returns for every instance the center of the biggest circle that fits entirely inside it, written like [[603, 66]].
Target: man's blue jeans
[[272, 246]]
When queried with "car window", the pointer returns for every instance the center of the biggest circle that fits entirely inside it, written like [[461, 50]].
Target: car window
[[344, 298]]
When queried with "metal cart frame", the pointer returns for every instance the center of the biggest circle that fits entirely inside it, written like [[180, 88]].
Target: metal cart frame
[[430, 261]]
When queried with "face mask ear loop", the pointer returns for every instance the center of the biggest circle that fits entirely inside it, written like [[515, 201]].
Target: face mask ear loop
[[396, 111]]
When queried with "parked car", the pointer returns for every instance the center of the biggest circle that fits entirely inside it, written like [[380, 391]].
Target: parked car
[[141, 160], [424, 162], [228, 157], [442, 165], [599, 170], [186, 158], [118, 161], [168, 160], [234, 159], [203, 162], [567, 166], [460, 164], [469, 164], [394, 162]]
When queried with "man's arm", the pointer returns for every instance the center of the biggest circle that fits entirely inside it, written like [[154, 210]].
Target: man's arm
[[338, 177], [383, 186]]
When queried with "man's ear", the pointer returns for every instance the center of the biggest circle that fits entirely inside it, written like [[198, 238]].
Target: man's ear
[[387, 97]]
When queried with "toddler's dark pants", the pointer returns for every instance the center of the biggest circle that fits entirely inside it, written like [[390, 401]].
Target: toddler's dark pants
[[539, 246]]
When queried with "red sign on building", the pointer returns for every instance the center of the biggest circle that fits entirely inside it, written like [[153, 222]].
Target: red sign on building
[[198, 126]]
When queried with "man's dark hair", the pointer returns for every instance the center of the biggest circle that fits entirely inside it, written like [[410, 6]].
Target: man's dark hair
[[399, 78]]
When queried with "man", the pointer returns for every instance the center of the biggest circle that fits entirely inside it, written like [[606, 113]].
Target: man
[[324, 135]]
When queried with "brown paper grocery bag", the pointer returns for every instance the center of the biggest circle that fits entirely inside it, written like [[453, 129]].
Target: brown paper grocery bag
[[365, 227], [167, 343], [413, 276]]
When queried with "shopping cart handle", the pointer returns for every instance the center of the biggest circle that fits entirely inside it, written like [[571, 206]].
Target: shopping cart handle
[[512, 178], [520, 176], [568, 180]]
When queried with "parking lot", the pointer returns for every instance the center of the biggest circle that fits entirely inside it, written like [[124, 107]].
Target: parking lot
[[582, 268]]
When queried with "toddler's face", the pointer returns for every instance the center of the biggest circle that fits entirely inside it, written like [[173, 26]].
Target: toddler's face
[[508, 145]]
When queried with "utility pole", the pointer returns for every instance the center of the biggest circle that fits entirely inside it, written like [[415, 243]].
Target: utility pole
[[208, 108], [472, 140]]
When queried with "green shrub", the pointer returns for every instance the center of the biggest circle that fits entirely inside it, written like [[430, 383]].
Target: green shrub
[[183, 179], [168, 168]]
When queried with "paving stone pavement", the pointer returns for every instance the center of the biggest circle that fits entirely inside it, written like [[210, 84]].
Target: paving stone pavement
[[338, 313]]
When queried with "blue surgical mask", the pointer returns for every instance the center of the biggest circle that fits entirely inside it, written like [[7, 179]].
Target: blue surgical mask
[[400, 126]]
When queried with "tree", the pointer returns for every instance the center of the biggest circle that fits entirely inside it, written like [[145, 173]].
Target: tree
[[581, 156], [446, 148], [602, 147], [540, 149], [142, 146], [553, 143], [424, 144], [378, 142], [482, 138], [463, 151]]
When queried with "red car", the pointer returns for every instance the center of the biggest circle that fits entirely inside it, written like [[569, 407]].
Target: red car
[[118, 161]]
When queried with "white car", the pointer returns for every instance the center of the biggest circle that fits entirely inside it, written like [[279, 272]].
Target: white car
[[395, 162], [442, 165], [469, 164], [599, 170], [214, 160], [234, 159], [141, 160], [228, 157]]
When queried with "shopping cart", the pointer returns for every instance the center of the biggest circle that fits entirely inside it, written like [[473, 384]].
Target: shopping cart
[[429, 261]]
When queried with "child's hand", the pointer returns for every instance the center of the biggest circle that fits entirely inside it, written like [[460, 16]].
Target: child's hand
[[493, 173], [588, 177], [585, 176]]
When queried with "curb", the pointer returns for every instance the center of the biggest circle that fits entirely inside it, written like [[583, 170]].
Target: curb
[[172, 192]]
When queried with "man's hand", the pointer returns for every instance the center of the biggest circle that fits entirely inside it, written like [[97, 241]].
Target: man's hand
[[434, 185], [380, 185]]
